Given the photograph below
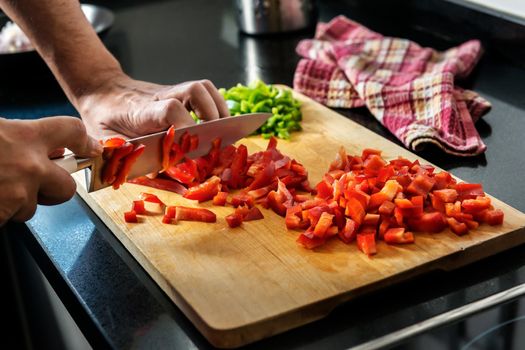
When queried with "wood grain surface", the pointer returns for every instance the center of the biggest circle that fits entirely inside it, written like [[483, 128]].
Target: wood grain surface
[[241, 285]]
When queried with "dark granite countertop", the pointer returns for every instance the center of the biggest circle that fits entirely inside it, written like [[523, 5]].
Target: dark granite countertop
[[114, 301]]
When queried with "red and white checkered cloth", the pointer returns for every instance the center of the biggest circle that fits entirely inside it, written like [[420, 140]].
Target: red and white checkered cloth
[[409, 89]]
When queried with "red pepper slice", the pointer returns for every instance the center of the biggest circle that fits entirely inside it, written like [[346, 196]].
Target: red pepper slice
[[185, 142], [150, 197], [127, 163], [167, 143], [195, 214], [204, 191], [220, 198], [111, 167], [113, 142], [238, 167], [161, 184], [194, 142]]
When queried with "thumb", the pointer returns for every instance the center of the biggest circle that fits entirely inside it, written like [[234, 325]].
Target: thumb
[[70, 132]]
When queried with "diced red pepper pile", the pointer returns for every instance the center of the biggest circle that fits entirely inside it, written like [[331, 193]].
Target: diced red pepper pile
[[255, 178], [362, 198], [366, 198]]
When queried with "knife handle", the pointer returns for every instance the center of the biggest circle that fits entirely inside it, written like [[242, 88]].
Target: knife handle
[[71, 163]]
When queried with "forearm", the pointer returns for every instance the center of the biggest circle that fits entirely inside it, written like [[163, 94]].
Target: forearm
[[64, 38]]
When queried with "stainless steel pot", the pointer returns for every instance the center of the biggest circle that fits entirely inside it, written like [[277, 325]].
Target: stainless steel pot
[[275, 16]]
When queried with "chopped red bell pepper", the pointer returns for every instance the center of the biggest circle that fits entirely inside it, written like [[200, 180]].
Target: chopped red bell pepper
[[349, 232], [130, 216], [310, 241], [194, 142], [127, 163], [398, 236], [166, 219], [428, 222], [457, 227], [469, 191], [253, 214], [194, 214], [421, 185], [366, 242], [167, 143], [324, 222], [275, 202], [113, 142], [171, 211], [242, 199], [161, 184], [493, 216], [476, 205], [185, 142], [205, 191], [387, 208], [220, 198], [112, 165], [150, 197], [447, 195], [234, 219], [138, 207]]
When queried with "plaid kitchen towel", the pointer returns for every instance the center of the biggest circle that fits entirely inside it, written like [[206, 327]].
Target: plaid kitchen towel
[[408, 88]]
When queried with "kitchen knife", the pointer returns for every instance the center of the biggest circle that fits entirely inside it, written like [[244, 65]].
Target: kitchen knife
[[229, 129]]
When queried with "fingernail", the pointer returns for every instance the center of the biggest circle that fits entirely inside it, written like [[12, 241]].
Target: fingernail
[[95, 147]]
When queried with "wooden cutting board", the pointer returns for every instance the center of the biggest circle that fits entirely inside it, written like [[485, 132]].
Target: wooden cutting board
[[240, 285]]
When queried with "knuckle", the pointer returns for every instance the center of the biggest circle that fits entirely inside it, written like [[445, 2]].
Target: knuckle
[[172, 106], [207, 82], [77, 126], [196, 88]]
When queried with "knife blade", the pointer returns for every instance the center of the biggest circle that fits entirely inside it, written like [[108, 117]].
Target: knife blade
[[229, 129]]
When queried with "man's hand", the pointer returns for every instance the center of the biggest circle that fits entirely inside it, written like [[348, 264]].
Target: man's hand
[[130, 108], [27, 175]]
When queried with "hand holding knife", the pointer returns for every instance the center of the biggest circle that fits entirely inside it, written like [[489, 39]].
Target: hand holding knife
[[229, 129]]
